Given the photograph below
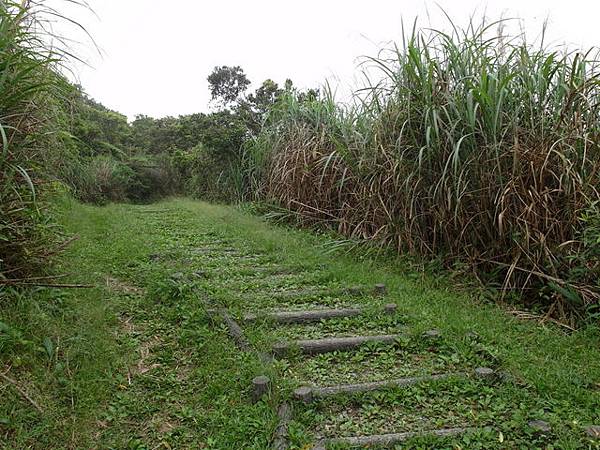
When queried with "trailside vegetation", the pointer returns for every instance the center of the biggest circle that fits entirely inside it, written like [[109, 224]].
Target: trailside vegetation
[[198, 154], [473, 148], [29, 86]]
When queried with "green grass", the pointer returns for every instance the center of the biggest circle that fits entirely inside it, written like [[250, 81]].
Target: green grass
[[136, 363]]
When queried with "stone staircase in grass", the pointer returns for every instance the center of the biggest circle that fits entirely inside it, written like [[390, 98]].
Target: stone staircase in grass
[[307, 394]]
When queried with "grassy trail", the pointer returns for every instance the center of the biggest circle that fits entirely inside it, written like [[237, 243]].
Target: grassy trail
[[137, 363]]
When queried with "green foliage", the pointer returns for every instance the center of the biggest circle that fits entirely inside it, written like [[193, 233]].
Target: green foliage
[[203, 173], [104, 158], [155, 136], [96, 129], [227, 84], [205, 149], [104, 179]]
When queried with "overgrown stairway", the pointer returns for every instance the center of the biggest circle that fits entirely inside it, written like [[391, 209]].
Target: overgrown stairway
[[292, 312], [309, 394]]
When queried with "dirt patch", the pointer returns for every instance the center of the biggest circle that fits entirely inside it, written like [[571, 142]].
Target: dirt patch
[[164, 424], [183, 373], [116, 285], [127, 325], [143, 365]]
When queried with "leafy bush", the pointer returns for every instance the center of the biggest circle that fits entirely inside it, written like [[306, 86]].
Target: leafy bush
[[104, 179], [205, 174], [153, 177]]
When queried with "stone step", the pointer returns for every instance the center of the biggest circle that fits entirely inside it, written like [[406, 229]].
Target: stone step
[[304, 316], [351, 291], [307, 394], [267, 273], [317, 346], [315, 315], [388, 439], [304, 292], [214, 249]]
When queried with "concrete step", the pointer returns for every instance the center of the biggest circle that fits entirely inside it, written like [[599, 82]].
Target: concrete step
[[315, 315], [317, 346], [307, 394], [388, 439]]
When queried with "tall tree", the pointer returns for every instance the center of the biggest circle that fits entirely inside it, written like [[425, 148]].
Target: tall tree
[[227, 84], [265, 96]]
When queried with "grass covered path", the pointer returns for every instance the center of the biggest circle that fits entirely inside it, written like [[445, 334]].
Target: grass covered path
[[137, 363]]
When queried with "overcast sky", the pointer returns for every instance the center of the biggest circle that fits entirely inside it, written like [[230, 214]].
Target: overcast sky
[[157, 54]]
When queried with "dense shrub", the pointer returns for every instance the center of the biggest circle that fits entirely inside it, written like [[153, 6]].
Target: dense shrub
[[206, 174], [104, 179], [153, 177]]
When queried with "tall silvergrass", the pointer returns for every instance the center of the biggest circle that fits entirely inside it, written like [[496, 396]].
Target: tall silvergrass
[[471, 146], [28, 83]]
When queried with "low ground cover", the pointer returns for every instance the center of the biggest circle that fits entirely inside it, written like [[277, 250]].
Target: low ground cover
[[136, 361]]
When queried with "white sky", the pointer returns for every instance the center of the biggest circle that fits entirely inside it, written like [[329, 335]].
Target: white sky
[[156, 54]]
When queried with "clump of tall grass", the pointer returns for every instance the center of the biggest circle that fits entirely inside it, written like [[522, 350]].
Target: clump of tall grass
[[27, 83], [472, 146]]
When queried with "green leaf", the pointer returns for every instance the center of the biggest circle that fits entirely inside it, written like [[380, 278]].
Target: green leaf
[[567, 292], [49, 347]]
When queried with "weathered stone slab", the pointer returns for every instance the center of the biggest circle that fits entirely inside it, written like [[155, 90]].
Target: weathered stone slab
[[307, 394], [540, 425], [317, 346], [305, 292], [235, 331], [242, 257], [221, 251], [388, 439], [254, 271], [237, 334], [202, 274], [352, 291], [315, 315], [303, 395], [380, 289], [484, 372], [355, 291], [305, 316], [432, 334], [210, 250], [390, 308]]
